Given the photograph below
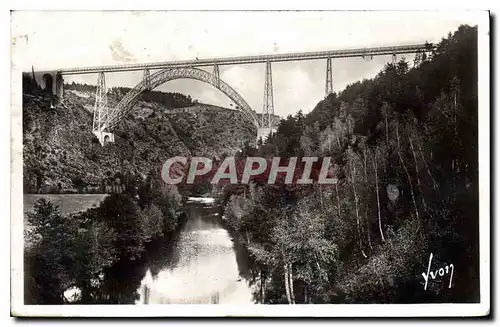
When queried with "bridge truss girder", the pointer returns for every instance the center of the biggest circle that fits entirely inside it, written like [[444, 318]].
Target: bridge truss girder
[[101, 110], [147, 79], [268, 106], [329, 77], [217, 75]]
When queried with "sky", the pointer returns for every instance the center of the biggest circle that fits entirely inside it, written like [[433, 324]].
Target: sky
[[64, 39]]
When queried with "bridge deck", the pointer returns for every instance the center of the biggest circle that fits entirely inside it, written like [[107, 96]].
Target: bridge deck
[[390, 50]]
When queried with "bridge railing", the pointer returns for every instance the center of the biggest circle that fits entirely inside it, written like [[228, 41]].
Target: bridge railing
[[343, 53]]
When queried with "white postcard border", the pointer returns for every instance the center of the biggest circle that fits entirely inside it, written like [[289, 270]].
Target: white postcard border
[[331, 310]]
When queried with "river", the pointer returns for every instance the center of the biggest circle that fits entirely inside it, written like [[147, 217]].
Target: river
[[201, 266]]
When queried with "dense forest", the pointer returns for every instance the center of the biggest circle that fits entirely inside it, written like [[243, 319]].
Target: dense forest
[[93, 251], [405, 150]]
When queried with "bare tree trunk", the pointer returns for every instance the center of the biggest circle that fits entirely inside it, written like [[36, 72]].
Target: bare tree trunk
[[290, 274], [407, 173], [353, 172], [386, 129], [287, 285], [366, 205], [424, 203], [262, 288], [455, 161], [434, 183], [415, 160], [374, 161], [386, 135]]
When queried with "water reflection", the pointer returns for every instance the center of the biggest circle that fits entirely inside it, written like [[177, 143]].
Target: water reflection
[[200, 266]]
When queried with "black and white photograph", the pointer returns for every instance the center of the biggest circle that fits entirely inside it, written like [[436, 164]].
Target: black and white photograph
[[256, 163]]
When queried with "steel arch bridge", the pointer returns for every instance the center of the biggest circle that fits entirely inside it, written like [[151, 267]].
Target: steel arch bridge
[[106, 119]]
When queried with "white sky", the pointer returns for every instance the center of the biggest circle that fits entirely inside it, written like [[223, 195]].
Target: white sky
[[63, 39]]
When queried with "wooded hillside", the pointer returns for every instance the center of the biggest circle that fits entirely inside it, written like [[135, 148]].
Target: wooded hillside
[[405, 150]]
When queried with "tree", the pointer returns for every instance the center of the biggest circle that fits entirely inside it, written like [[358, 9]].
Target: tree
[[50, 254], [93, 252], [152, 222], [121, 213], [310, 140]]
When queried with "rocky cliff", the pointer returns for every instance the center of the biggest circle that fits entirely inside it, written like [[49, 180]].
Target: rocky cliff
[[62, 155]]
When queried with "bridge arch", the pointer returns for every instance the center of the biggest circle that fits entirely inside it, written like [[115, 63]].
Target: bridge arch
[[169, 74]]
